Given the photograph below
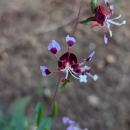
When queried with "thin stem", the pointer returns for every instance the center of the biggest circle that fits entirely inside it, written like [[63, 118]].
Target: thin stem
[[69, 49], [56, 57], [55, 94], [76, 24], [77, 21]]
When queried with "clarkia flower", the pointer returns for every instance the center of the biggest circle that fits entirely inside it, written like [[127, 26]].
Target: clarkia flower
[[102, 19], [68, 62]]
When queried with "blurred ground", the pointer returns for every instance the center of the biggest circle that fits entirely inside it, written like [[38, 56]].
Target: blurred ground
[[28, 26]]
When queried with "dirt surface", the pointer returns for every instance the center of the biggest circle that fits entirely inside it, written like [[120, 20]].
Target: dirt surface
[[28, 26]]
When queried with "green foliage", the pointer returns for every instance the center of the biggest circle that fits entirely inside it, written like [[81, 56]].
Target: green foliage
[[45, 124], [13, 118], [93, 5], [85, 22], [55, 110], [64, 84], [39, 113]]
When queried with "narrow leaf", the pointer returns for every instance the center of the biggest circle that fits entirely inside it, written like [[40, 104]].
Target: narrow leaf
[[39, 113], [55, 110], [45, 124], [64, 84], [93, 5], [86, 22]]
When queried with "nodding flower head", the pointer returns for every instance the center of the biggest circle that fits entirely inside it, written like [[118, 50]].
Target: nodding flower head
[[69, 64], [102, 19]]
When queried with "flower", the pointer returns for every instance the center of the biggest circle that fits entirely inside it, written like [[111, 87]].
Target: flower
[[102, 19], [70, 40], [71, 124], [68, 63], [44, 71], [54, 47]]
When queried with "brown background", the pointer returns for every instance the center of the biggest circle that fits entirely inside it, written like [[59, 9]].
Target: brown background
[[28, 26]]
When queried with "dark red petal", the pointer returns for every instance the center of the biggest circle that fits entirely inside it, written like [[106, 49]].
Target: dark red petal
[[100, 15], [102, 10], [47, 71], [64, 59]]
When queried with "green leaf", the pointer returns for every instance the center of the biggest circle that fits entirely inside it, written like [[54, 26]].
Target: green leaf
[[45, 124], [19, 105], [64, 84], [55, 110], [16, 110], [86, 22], [39, 113], [93, 5]]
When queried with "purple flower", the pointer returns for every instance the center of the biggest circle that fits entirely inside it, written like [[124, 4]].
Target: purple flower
[[54, 47], [102, 19], [106, 2], [69, 64], [90, 56], [45, 71], [70, 40], [71, 124]]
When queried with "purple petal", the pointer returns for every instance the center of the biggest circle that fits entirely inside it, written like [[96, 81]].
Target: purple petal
[[106, 2], [105, 38], [65, 120], [54, 47], [90, 56], [71, 127], [70, 122], [45, 71], [112, 8], [70, 40]]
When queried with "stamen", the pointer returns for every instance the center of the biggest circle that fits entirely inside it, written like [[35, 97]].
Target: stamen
[[116, 18], [95, 77], [66, 77], [115, 23], [108, 26], [73, 71], [73, 75]]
